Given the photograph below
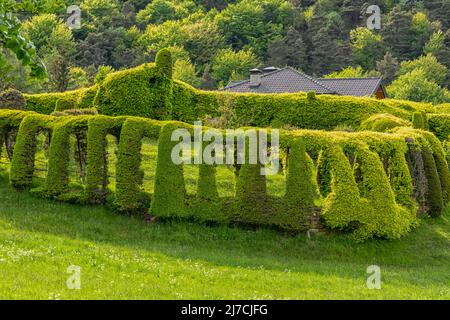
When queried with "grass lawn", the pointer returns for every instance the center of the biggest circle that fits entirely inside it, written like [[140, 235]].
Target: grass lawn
[[125, 258]]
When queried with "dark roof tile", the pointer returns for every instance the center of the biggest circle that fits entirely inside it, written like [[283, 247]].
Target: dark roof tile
[[357, 87], [289, 80]]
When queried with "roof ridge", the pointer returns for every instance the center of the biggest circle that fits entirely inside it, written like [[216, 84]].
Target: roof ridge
[[365, 78], [316, 81], [279, 70], [228, 86]]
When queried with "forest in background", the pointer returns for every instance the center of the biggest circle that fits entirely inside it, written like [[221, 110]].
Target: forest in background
[[217, 41]]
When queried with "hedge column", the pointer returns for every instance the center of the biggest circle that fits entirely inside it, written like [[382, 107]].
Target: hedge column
[[300, 191], [22, 165], [170, 191]]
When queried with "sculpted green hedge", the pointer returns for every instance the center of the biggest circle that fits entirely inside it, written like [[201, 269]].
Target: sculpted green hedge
[[46, 103], [149, 91], [372, 184], [280, 110], [383, 123], [439, 124], [143, 91], [443, 108]]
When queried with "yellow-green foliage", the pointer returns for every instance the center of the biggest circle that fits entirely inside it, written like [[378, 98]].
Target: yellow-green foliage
[[86, 97], [434, 199], [440, 125], [9, 123], [264, 110], [370, 209], [149, 91], [410, 106], [364, 176], [251, 192], [419, 120], [170, 191], [300, 188], [143, 91], [129, 195], [442, 108], [57, 182], [207, 202], [97, 180], [46, 103], [383, 123], [22, 165]]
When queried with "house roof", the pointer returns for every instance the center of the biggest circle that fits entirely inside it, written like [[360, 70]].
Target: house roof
[[286, 80], [289, 80], [357, 87]]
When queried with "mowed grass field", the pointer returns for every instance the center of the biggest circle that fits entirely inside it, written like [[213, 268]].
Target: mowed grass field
[[126, 258]]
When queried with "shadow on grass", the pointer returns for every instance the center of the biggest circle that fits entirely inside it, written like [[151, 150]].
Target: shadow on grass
[[428, 246]]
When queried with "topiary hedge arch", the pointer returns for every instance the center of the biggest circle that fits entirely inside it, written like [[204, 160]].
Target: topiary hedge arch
[[366, 178]]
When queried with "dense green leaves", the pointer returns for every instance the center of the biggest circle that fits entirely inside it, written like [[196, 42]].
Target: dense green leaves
[[369, 185], [12, 38]]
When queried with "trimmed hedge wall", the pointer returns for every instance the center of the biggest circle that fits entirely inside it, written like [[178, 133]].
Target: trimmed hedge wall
[[22, 165], [149, 91], [367, 185], [442, 108], [383, 123], [278, 110], [97, 168], [46, 103]]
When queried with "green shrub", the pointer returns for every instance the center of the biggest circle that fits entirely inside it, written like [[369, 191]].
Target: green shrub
[[141, 91], [12, 99], [149, 91], [442, 108], [434, 196], [130, 196], [9, 124], [207, 202], [444, 176], [409, 106], [46, 103], [170, 191], [418, 121], [382, 217], [447, 151], [440, 125], [164, 62], [87, 97], [67, 102], [59, 154], [75, 112], [311, 95], [369, 210], [368, 184], [300, 189], [342, 205], [251, 195], [323, 174], [383, 123], [22, 165], [97, 167], [401, 179]]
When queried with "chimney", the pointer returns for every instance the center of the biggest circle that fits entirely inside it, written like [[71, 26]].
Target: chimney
[[255, 78]]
